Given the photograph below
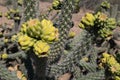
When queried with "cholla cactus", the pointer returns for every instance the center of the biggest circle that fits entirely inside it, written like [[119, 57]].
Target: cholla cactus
[[48, 44], [112, 65], [37, 34], [99, 24], [5, 74], [31, 9]]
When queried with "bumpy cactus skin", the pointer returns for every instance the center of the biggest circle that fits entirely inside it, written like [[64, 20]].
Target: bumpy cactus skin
[[31, 9], [40, 48], [5, 74], [45, 45], [73, 58], [112, 65], [64, 24]]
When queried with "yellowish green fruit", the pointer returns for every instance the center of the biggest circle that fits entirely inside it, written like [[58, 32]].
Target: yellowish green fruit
[[4, 56], [81, 25], [23, 28], [71, 34], [102, 16], [5, 40], [105, 4], [117, 77], [48, 32], [26, 42], [41, 48], [111, 63], [34, 28], [88, 19], [56, 4], [16, 18]]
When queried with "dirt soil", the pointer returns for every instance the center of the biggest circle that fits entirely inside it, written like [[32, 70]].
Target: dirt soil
[[43, 7]]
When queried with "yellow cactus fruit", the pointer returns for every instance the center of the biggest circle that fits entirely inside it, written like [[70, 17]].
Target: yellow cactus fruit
[[103, 60], [101, 16], [6, 40], [85, 21], [111, 62], [26, 42], [23, 78], [23, 28], [117, 77], [17, 18], [12, 11], [33, 22], [33, 28], [88, 19], [41, 48], [71, 34], [111, 21], [14, 38], [4, 56], [48, 32], [56, 4], [46, 23], [100, 65], [81, 25], [85, 59], [105, 4], [106, 55]]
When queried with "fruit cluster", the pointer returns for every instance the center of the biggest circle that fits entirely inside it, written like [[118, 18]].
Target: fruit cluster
[[98, 23], [37, 35], [56, 4], [105, 5], [87, 21], [13, 14], [111, 64]]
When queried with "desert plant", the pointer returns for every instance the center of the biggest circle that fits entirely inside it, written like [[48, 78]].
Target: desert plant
[[44, 49]]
